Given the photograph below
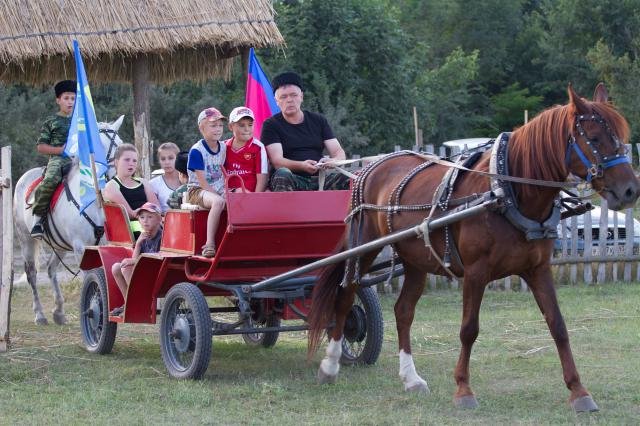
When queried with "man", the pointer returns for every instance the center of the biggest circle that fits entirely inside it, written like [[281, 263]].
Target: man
[[295, 140]]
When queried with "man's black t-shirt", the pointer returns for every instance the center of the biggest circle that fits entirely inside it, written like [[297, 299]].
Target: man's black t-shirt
[[304, 141]]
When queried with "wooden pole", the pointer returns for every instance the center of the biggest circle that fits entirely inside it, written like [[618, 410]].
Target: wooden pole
[[415, 128], [141, 122], [6, 211], [526, 116]]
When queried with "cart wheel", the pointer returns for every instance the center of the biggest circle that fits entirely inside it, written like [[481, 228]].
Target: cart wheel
[[185, 332], [266, 340], [363, 329], [98, 334]]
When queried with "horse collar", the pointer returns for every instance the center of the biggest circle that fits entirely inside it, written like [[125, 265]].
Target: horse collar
[[533, 230]]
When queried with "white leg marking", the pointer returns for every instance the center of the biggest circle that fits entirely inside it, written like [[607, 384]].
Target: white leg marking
[[408, 375], [330, 365]]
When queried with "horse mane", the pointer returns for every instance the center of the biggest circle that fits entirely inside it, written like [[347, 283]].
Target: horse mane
[[539, 147]]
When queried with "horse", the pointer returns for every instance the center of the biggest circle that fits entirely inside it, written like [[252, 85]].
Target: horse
[[583, 138], [69, 231]]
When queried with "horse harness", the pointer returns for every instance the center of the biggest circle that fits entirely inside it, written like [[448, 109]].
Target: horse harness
[[501, 186]]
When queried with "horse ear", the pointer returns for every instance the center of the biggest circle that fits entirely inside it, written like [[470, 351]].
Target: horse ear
[[116, 124], [577, 104], [600, 94]]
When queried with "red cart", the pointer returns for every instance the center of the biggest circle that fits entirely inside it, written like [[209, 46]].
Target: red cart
[[263, 241]]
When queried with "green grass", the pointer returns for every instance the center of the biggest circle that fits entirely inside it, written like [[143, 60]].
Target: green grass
[[48, 377]]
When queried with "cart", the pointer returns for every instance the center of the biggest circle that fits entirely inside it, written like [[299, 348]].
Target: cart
[[260, 274]]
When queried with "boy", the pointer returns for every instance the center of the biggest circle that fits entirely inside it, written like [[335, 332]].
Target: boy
[[175, 200], [150, 217], [53, 137], [206, 176], [246, 156]]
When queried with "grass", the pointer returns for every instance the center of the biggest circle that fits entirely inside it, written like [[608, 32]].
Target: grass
[[48, 377]]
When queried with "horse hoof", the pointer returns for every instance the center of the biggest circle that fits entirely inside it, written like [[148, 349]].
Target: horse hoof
[[584, 404], [467, 401], [419, 387], [324, 378], [59, 319], [42, 321]]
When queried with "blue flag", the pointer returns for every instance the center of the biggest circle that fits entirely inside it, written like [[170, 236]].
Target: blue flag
[[84, 137]]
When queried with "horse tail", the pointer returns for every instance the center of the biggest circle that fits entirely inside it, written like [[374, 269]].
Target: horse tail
[[323, 301]]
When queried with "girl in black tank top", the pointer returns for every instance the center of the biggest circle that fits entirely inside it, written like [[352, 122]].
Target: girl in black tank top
[[136, 196], [126, 190]]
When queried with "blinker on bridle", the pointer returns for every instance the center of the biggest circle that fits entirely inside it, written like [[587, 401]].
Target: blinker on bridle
[[601, 162]]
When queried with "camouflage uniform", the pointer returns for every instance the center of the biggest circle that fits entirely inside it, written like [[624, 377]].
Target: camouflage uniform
[[175, 199], [54, 132], [284, 179]]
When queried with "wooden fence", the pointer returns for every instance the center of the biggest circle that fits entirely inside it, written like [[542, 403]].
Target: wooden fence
[[6, 245]]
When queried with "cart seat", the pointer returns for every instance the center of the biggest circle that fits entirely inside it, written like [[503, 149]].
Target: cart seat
[[116, 225]]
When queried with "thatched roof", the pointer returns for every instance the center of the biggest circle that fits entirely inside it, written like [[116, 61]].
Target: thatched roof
[[181, 39]]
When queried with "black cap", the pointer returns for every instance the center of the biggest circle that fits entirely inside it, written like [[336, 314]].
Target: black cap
[[286, 78], [181, 162], [64, 86]]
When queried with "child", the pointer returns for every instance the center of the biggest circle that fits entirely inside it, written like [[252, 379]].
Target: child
[[53, 137], [246, 156], [169, 181], [175, 200], [127, 190], [206, 177], [150, 218]]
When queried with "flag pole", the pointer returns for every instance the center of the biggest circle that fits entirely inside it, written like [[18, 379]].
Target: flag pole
[[96, 187]]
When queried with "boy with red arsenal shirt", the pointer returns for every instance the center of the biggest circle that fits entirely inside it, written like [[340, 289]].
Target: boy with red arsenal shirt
[[246, 156]]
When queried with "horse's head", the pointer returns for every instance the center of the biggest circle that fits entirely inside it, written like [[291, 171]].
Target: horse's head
[[110, 141], [596, 148]]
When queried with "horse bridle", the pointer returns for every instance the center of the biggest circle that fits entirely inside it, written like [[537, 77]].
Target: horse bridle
[[111, 135], [602, 162]]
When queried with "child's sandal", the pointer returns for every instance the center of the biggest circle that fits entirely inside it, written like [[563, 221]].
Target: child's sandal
[[208, 251]]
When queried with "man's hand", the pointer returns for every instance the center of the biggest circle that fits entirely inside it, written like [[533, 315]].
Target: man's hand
[[309, 166], [326, 163]]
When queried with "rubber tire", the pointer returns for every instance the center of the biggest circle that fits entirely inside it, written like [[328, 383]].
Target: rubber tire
[[100, 342], [375, 330], [201, 326], [266, 340]]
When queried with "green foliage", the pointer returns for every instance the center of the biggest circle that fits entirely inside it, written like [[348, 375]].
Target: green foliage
[[470, 69], [510, 104]]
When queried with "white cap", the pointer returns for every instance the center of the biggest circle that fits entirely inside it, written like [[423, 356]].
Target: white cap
[[239, 113]]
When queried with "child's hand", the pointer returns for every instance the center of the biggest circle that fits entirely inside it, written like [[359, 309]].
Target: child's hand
[[127, 262]]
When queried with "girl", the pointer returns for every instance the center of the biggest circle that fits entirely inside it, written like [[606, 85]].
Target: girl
[[125, 189], [164, 185]]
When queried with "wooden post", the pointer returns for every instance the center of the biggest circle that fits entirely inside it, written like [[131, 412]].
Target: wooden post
[[141, 122], [526, 116], [417, 130], [244, 60], [6, 246]]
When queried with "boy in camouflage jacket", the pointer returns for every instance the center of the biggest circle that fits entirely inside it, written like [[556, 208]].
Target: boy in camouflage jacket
[[53, 137]]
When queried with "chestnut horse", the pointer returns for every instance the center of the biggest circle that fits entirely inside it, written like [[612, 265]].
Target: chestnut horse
[[582, 138]]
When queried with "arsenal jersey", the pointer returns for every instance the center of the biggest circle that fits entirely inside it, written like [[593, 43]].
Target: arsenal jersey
[[246, 162]]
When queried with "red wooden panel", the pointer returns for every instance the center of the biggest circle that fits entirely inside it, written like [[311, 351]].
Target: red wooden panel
[[287, 207], [116, 225], [109, 256], [140, 306], [185, 231]]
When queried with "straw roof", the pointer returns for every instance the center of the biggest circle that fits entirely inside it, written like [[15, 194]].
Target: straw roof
[[181, 39]]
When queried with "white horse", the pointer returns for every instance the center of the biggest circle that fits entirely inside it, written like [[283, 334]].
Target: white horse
[[67, 229]]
